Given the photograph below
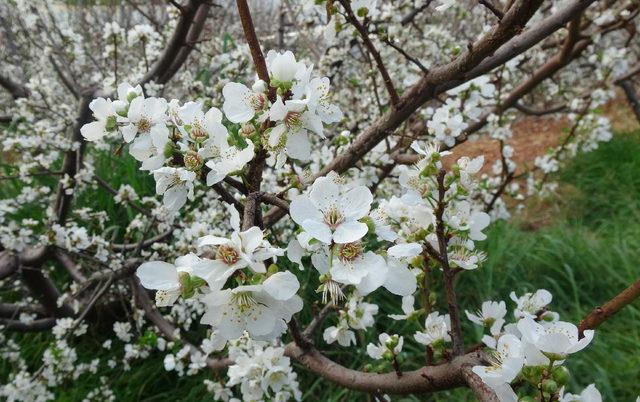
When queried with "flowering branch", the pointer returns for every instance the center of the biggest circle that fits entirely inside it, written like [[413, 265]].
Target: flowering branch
[[452, 301]]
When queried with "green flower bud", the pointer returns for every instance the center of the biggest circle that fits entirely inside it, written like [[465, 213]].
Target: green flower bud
[[392, 342], [362, 12], [273, 268], [549, 386], [561, 375], [533, 375], [387, 355]]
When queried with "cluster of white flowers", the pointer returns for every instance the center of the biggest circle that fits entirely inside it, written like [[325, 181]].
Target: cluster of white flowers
[[532, 349], [180, 144], [261, 303]]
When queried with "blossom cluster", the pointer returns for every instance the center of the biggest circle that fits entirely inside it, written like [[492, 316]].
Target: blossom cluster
[[532, 349], [181, 144]]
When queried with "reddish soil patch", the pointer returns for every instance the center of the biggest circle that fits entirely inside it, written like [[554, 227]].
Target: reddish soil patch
[[533, 136]]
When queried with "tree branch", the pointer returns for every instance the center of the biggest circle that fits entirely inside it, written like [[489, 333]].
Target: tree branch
[[452, 301], [600, 314], [364, 34], [174, 45], [479, 388], [16, 89], [252, 40], [484, 55], [425, 379]]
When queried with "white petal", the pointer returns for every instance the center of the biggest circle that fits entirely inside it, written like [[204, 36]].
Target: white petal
[[400, 280], [158, 275], [405, 250], [93, 131], [302, 209], [350, 231], [281, 285]]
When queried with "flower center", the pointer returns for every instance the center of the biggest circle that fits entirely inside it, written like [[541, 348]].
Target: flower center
[[228, 254], [244, 300], [349, 251], [292, 119], [257, 101], [144, 125], [193, 161], [198, 132], [333, 217]]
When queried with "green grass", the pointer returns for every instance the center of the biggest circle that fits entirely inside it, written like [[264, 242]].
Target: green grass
[[587, 254]]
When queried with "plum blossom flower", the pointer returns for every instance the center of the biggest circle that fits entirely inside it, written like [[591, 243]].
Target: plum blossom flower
[[556, 340], [351, 266], [283, 67], [262, 310], [340, 333], [243, 249], [467, 168], [507, 363], [168, 279], [105, 114], [447, 123], [464, 219], [241, 103], [589, 394], [491, 315], [400, 280], [150, 149], [360, 314], [319, 102], [388, 343], [331, 213], [175, 185], [436, 329], [533, 304], [293, 123], [145, 115]]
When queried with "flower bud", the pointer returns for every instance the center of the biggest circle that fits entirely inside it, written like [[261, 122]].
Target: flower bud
[[392, 342], [273, 268], [549, 386], [533, 374], [247, 129], [259, 86], [561, 375]]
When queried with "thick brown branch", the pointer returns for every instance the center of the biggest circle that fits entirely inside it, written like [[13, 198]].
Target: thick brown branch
[[425, 379], [176, 43], [65, 260], [487, 53], [492, 8], [632, 96], [193, 35], [9, 264], [16, 89], [41, 324], [73, 157]]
